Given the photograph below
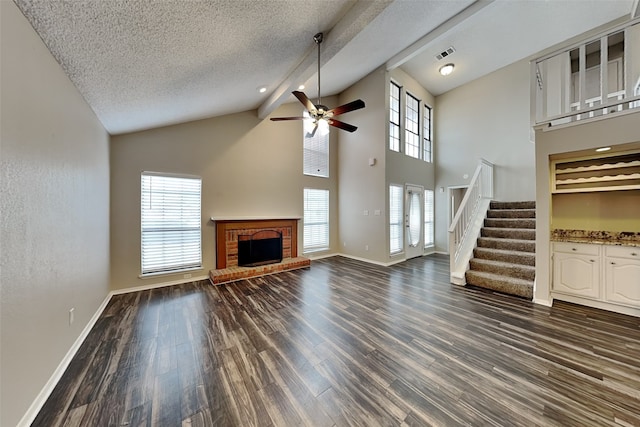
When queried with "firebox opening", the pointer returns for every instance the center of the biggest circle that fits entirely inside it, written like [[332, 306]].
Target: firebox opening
[[260, 248]]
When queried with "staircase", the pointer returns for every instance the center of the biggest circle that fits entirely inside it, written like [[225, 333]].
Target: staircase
[[504, 258]]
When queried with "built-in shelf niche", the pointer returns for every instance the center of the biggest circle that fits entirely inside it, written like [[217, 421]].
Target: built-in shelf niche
[[613, 172]]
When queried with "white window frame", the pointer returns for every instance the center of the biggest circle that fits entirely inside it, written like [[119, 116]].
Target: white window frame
[[427, 133], [170, 223], [315, 151], [429, 219], [394, 117], [412, 145], [396, 219], [316, 227]]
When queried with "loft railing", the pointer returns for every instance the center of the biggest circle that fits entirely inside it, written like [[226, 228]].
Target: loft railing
[[592, 78], [467, 221]]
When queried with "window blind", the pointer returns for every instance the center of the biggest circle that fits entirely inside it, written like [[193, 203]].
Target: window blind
[[316, 219], [170, 223], [428, 218], [316, 152], [395, 219]]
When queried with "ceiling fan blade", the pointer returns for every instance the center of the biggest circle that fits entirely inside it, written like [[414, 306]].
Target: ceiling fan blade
[[277, 119], [304, 100], [351, 106], [342, 125]]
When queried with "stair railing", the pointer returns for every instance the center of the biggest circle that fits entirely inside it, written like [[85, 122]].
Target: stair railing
[[468, 220]]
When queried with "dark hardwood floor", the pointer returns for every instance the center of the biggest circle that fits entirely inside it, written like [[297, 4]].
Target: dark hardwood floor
[[348, 343]]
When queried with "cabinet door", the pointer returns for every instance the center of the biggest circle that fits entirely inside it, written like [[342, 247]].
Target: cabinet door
[[623, 281], [576, 274]]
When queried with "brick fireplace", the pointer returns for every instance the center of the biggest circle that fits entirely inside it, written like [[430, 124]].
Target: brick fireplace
[[228, 232]]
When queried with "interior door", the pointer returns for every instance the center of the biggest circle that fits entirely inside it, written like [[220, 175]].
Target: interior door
[[414, 221]]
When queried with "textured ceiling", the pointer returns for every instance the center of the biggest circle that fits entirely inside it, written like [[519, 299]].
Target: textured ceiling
[[142, 63]]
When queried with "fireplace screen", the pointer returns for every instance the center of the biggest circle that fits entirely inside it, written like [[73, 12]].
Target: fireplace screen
[[262, 247]]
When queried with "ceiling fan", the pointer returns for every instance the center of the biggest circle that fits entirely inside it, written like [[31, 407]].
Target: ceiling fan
[[321, 115]]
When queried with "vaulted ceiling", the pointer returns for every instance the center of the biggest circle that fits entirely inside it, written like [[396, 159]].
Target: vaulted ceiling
[[148, 63]]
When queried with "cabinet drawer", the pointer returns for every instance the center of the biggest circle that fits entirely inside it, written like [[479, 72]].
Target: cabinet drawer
[[630, 252], [576, 248]]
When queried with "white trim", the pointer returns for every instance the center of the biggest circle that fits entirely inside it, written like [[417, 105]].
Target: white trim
[[370, 261], [321, 256], [545, 302], [46, 391], [157, 285], [253, 218]]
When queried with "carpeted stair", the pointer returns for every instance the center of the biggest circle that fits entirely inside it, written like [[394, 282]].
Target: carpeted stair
[[504, 257]]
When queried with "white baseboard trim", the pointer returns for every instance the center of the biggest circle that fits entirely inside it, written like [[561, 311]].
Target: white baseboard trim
[[545, 302], [315, 257], [46, 391], [157, 285], [370, 261]]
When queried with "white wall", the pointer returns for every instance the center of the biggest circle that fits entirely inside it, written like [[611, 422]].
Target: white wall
[[54, 214], [487, 118], [249, 168]]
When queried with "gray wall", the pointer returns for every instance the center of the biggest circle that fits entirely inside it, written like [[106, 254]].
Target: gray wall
[[54, 205], [487, 118], [363, 187], [249, 168]]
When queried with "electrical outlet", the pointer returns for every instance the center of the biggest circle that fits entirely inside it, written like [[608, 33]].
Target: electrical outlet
[[71, 316], [187, 276]]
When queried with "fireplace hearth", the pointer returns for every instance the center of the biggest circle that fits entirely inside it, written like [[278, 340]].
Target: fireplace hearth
[[247, 248]]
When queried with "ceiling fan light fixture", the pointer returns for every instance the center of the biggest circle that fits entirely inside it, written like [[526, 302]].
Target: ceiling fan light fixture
[[323, 127], [446, 69]]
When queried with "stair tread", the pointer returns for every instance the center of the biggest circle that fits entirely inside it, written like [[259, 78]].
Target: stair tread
[[500, 277], [505, 251], [503, 263]]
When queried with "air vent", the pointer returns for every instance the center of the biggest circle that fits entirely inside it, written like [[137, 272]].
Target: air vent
[[446, 53]]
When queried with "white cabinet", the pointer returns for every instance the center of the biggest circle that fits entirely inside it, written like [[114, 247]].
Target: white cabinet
[[622, 275], [576, 269], [602, 276]]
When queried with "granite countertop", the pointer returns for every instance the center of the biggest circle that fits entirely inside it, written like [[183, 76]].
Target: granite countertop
[[622, 238]]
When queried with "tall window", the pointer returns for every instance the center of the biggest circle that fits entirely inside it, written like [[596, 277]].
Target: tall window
[[316, 151], [316, 220], [394, 117], [170, 223], [395, 218], [411, 127], [428, 218], [427, 148]]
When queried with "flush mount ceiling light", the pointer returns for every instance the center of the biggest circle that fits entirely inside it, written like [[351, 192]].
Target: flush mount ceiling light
[[301, 87], [262, 89], [446, 69]]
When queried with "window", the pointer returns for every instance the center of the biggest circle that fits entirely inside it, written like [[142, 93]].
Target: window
[[316, 152], [411, 127], [428, 218], [395, 219], [394, 117], [316, 220], [170, 223], [426, 135]]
